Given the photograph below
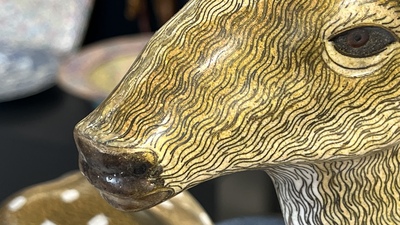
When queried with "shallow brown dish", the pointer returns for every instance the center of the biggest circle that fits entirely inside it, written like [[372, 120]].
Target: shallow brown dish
[[93, 72]]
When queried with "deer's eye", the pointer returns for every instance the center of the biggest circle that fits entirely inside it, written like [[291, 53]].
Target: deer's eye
[[362, 42]]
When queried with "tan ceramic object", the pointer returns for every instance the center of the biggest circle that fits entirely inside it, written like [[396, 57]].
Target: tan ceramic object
[[307, 90], [71, 200]]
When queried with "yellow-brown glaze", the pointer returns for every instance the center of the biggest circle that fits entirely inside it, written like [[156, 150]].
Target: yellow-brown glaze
[[233, 85], [71, 200]]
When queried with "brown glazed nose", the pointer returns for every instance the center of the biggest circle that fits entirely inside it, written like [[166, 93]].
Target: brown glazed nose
[[119, 171]]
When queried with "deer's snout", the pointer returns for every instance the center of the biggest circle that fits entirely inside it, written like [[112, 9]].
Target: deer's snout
[[130, 179]]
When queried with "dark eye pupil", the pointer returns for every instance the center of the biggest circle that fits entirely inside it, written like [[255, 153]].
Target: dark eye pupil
[[365, 41], [357, 38]]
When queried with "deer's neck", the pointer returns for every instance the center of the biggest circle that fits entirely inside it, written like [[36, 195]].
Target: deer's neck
[[359, 191]]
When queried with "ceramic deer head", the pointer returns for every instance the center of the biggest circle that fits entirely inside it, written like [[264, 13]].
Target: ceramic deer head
[[307, 90], [71, 200]]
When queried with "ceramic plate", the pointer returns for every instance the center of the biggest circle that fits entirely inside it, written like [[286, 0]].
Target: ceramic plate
[[94, 72]]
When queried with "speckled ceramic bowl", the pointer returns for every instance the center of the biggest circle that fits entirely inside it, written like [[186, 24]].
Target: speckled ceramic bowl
[[35, 36], [25, 71]]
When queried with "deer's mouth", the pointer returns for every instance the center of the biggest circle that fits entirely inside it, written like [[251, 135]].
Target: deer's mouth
[[127, 192], [136, 204]]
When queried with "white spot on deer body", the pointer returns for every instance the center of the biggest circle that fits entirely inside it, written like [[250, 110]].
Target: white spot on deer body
[[100, 219], [70, 195], [48, 222], [17, 203]]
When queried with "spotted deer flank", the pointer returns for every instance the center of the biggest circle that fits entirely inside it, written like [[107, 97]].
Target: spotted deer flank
[[71, 200]]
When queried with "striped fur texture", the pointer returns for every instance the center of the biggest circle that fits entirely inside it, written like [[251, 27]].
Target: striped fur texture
[[233, 85]]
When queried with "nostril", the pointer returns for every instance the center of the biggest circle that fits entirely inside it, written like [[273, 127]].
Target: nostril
[[127, 164], [127, 168], [141, 169]]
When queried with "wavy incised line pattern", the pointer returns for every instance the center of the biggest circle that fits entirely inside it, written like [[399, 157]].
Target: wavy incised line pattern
[[242, 83], [231, 85], [230, 134], [297, 188], [362, 191], [351, 192]]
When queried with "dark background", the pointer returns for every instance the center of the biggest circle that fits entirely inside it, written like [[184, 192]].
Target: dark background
[[36, 142]]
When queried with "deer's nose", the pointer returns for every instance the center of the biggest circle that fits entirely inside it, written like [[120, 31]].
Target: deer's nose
[[140, 163], [124, 175]]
